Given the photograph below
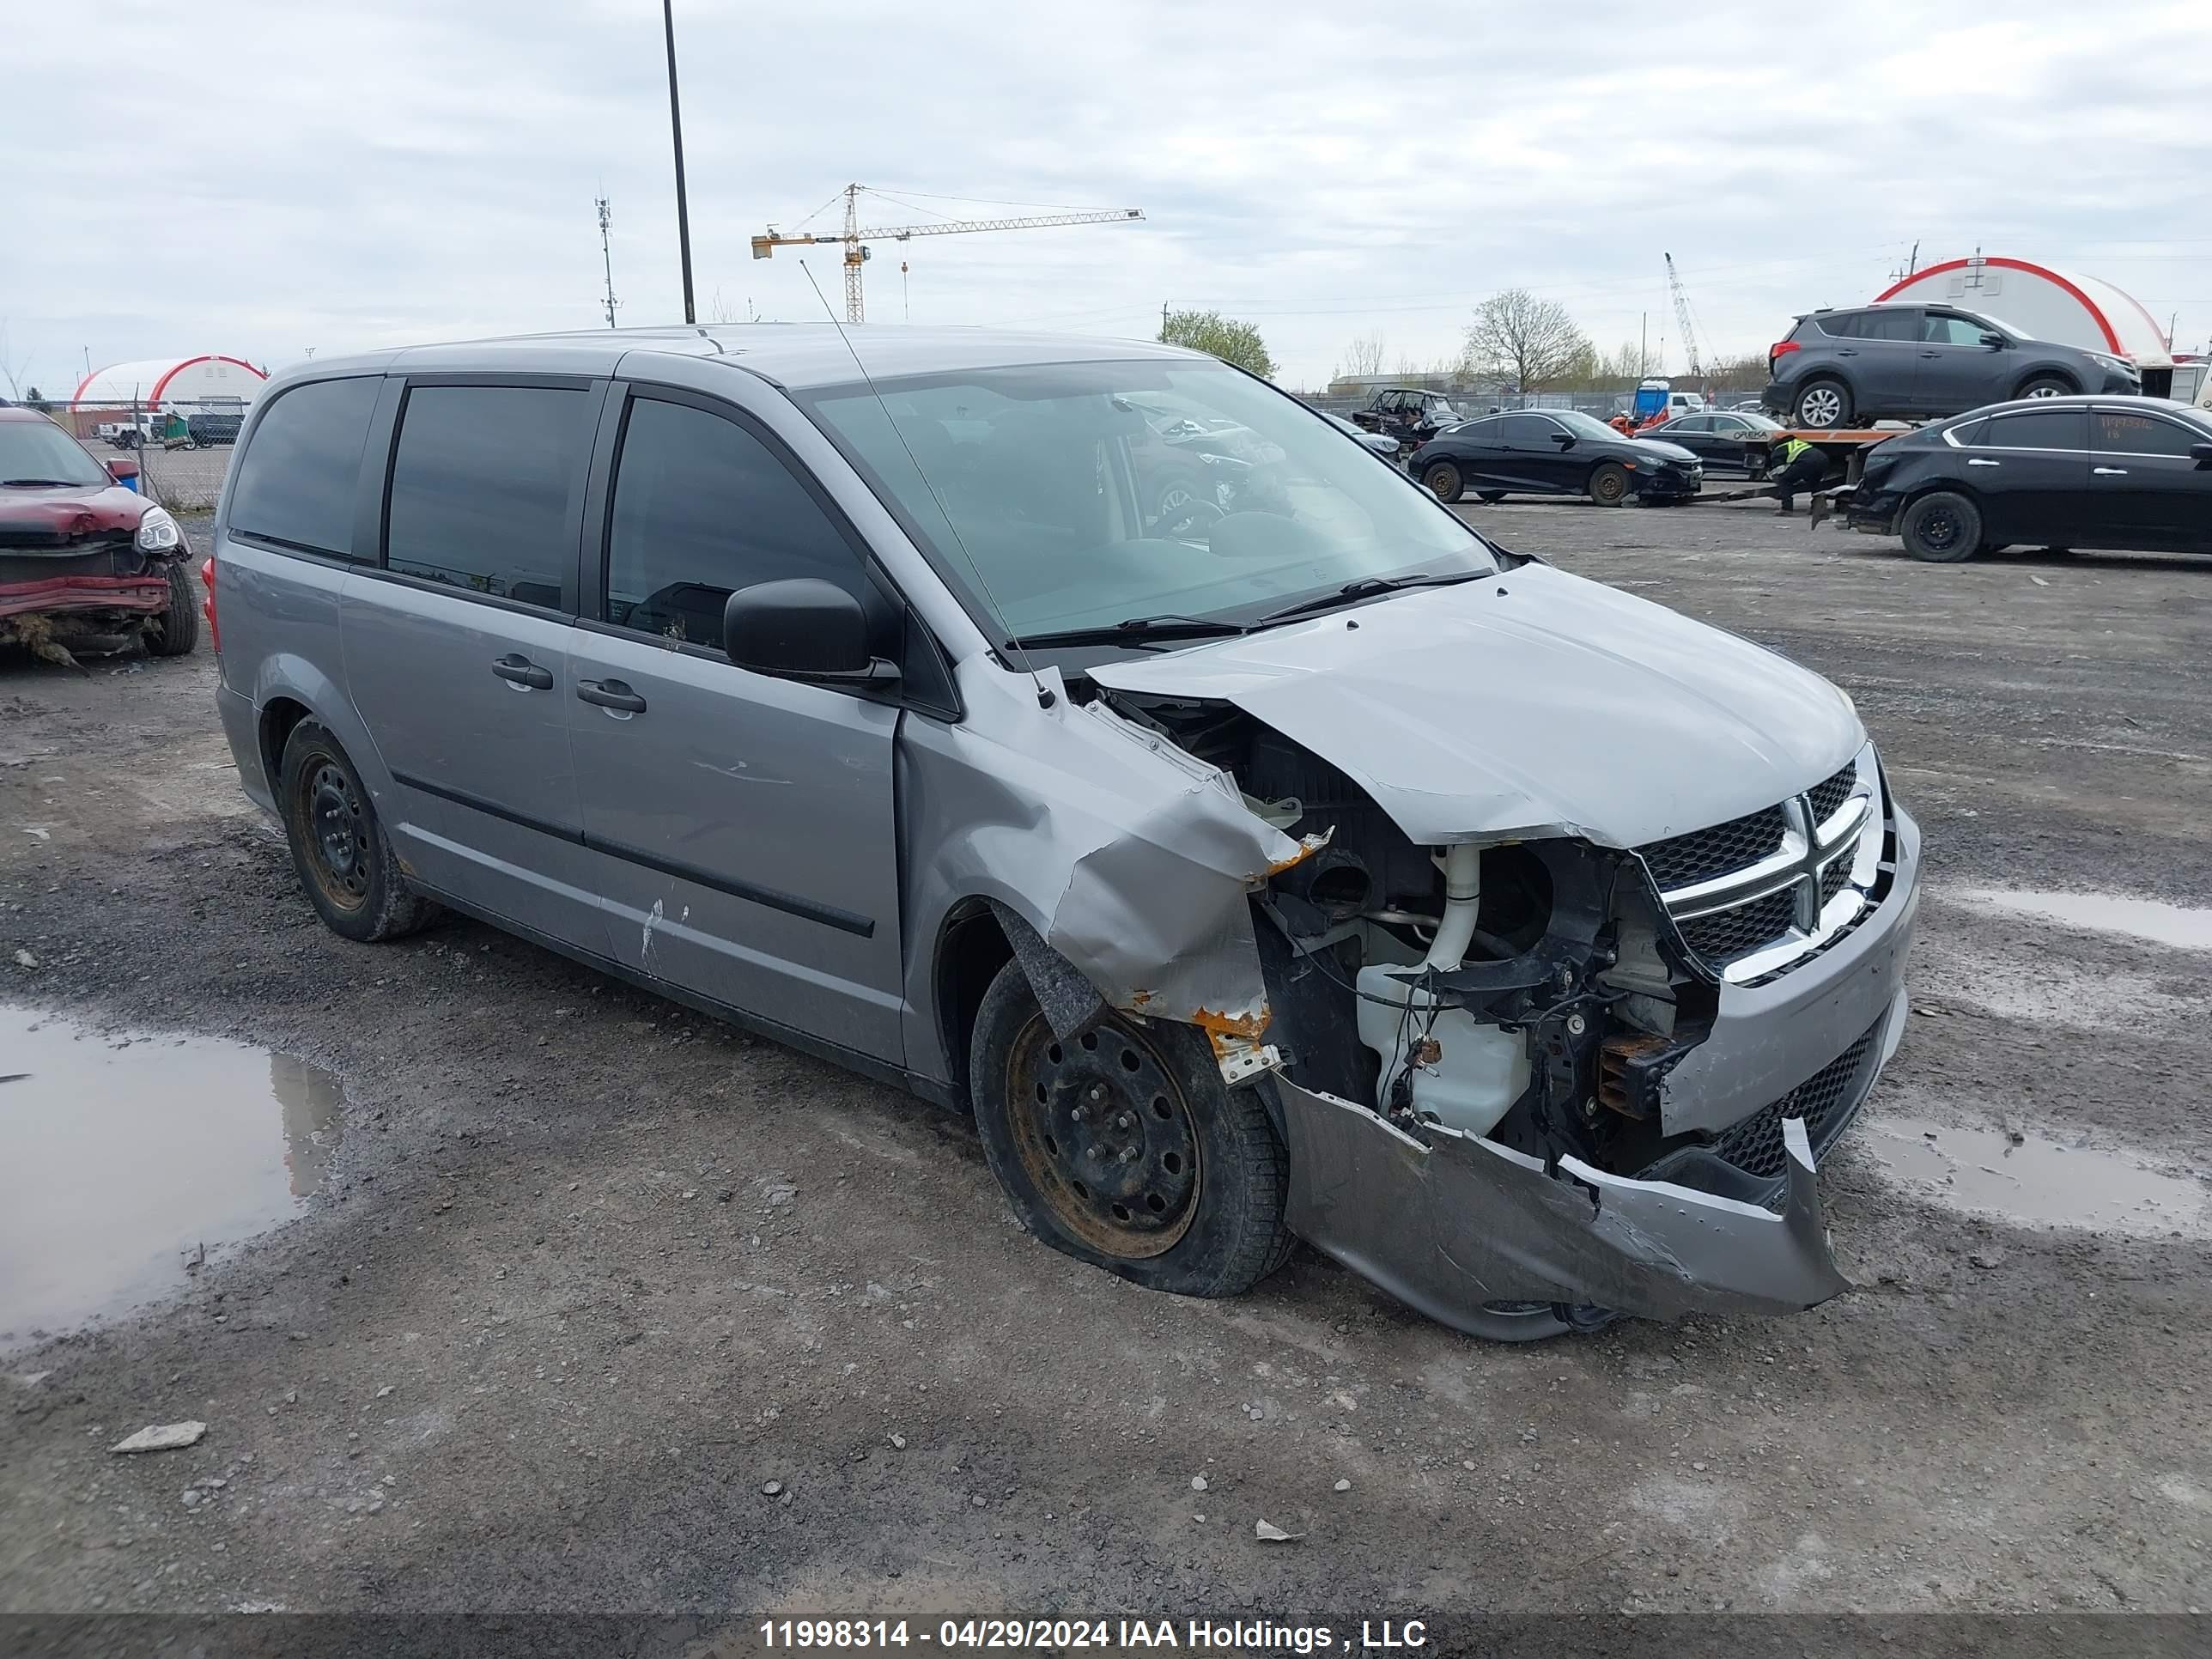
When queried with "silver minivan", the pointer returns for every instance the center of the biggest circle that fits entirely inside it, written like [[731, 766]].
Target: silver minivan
[[1258, 852]]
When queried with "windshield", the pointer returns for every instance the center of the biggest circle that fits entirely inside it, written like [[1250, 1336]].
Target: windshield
[[1078, 496], [40, 449]]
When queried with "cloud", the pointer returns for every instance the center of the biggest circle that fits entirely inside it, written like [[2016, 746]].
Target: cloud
[[261, 178]]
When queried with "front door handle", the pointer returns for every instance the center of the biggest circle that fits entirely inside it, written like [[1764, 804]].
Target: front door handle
[[2110, 471], [1978, 461], [610, 693], [521, 671]]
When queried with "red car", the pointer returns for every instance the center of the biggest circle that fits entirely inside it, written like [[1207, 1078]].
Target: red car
[[85, 563]]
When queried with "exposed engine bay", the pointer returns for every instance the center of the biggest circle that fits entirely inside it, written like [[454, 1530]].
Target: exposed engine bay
[[1530, 991]]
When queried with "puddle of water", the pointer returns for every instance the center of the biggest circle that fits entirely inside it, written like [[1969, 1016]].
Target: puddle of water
[[2037, 1183], [2177, 925], [121, 1152]]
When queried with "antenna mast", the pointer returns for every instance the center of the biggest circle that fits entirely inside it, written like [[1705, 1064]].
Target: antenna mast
[[607, 259]]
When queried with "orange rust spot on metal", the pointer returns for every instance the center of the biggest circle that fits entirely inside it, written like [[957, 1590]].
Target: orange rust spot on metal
[[1139, 999], [1307, 848], [1227, 1032]]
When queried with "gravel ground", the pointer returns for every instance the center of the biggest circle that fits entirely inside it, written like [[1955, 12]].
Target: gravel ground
[[605, 1307]]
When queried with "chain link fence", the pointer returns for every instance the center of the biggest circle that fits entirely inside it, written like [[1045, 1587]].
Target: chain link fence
[[182, 450]]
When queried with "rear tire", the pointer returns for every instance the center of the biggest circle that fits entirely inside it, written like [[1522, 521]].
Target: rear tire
[[177, 629], [1608, 483], [1941, 529], [1197, 1210], [1823, 405], [339, 848], [1444, 481]]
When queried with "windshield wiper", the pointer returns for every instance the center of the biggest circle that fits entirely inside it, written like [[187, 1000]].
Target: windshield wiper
[[1131, 630], [1363, 587], [31, 484]]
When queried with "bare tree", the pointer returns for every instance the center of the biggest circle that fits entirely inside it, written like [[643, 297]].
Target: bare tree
[[12, 368], [1527, 340], [1363, 358]]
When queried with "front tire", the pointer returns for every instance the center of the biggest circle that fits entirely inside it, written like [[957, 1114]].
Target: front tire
[[1444, 481], [1823, 406], [339, 848], [2046, 386], [1608, 483], [1941, 529], [177, 629], [1123, 1148]]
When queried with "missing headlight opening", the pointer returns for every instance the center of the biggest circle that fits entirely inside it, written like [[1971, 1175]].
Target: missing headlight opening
[[1493, 1029]]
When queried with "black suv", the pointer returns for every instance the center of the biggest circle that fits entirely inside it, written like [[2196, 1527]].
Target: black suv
[[1901, 362]]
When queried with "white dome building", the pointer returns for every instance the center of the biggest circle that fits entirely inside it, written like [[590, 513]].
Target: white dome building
[[209, 382]]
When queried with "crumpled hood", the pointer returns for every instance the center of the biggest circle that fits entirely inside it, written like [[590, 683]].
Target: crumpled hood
[[1526, 704], [55, 518]]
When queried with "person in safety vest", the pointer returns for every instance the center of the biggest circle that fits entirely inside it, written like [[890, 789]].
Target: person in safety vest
[[1799, 466]]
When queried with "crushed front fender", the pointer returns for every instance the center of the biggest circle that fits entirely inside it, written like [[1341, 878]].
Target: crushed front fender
[[1454, 1226]]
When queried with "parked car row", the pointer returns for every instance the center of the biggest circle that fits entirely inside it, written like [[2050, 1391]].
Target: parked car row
[[1554, 452]]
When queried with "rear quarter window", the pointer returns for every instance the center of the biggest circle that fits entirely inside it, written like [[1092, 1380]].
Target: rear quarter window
[[1840, 325], [298, 477]]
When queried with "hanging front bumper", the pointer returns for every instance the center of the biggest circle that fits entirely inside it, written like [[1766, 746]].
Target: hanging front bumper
[[1455, 1225]]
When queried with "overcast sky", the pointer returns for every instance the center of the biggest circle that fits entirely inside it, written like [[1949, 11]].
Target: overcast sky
[[261, 178]]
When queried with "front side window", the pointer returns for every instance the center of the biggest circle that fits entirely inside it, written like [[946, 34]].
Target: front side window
[[299, 478], [2121, 434], [703, 507], [481, 485], [2038, 429], [1526, 431], [1043, 497], [1951, 330]]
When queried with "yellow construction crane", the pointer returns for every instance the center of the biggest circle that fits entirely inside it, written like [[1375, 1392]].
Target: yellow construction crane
[[854, 237]]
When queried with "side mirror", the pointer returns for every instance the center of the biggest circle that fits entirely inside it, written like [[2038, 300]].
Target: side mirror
[[1995, 342], [1564, 440], [804, 628], [123, 470], [2201, 453]]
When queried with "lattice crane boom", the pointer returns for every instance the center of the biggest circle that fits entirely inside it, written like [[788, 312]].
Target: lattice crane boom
[[854, 236], [1682, 320]]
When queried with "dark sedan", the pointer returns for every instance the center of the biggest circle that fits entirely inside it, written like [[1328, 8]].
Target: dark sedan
[[1723, 441], [2101, 472], [1554, 452]]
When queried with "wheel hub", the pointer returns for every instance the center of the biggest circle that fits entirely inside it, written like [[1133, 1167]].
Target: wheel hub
[[1106, 1137], [340, 837]]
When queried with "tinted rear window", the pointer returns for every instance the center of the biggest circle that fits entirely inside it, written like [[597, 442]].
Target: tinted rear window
[[297, 478], [481, 489], [2038, 428], [1888, 325]]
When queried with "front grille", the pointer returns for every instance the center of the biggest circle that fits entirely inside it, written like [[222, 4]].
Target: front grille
[[1834, 878], [1727, 934], [1704, 854], [1754, 1145], [1828, 796]]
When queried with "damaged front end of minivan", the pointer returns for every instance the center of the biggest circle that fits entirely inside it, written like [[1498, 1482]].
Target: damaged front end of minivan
[[1527, 1081]]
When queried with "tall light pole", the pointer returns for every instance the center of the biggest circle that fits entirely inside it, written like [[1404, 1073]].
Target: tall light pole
[[675, 129]]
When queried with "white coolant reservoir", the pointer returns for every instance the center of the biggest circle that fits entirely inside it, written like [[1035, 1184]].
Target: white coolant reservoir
[[1480, 1072]]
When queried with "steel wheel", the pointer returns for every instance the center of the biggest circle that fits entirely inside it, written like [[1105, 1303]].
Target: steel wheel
[[1106, 1137], [339, 854]]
